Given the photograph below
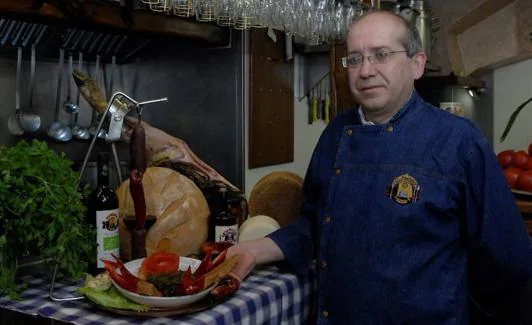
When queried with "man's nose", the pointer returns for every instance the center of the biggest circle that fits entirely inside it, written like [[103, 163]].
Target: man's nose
[[366, 68]]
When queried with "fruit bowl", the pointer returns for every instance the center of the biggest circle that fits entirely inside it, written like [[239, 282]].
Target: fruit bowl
[[164, 302]]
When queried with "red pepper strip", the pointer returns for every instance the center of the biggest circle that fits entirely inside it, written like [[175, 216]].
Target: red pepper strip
[[215, 248], [205, 265], [137, 194], [125, 282], [227, 286], [218, 260], [125, 272], [186, 281], [195, 286]]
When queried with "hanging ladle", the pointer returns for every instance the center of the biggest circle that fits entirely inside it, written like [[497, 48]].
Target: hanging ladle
[[69, 106], [58, 130], [13, 123], [78, 131], [31, 122]]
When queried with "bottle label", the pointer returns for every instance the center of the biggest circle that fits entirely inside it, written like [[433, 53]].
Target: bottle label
[[107, 236], [226, 234]]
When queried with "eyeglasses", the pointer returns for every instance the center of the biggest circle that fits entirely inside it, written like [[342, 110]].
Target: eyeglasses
[[355, 60]]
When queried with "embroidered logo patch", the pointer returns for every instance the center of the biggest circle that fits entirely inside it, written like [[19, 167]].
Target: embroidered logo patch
[[404, 189]]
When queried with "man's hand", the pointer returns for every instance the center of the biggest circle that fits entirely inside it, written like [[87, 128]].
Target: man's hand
[[246, 260]]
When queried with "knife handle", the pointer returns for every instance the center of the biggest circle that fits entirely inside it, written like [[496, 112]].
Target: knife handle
[[314, 109], [327, 110]]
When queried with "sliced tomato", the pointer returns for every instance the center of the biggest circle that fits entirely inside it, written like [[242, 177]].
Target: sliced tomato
[[159, 262]]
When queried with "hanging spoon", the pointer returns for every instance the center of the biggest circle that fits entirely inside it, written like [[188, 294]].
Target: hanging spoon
[[78, 131], [13, 123], [30, 122]]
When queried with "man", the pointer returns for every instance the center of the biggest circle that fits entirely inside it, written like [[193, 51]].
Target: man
[[405, 207]]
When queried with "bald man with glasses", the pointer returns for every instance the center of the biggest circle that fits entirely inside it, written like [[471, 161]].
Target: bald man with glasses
[[406, 211]]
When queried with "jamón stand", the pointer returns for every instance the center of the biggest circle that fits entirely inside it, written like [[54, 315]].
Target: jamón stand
[[118, 107]]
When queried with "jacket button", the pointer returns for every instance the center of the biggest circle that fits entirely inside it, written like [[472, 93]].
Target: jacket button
[[327, 219], [338, 171], [325, 314], [349, 132], [389, 128], [323, 264]]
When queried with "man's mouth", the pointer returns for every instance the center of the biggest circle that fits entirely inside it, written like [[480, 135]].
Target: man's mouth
[[368, 88]]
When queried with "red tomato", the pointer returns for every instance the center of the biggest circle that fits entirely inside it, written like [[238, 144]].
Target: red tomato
[[512, 175], [528, 165], [524, 181], [506, 158], [520, 158], [530, 149]]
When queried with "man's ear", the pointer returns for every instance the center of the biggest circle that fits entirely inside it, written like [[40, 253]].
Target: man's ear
[[418, 64]]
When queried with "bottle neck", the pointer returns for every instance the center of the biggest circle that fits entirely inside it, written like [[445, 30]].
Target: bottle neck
[[103, 173]]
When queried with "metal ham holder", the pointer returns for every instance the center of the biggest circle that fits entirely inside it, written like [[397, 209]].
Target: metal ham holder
[[118, 107]]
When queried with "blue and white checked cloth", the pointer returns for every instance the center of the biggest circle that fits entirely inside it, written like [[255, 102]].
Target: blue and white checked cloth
[[266, 296]]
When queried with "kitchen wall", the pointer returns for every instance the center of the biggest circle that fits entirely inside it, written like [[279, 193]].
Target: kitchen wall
[[513, 85], [204, 108], [305, 138]]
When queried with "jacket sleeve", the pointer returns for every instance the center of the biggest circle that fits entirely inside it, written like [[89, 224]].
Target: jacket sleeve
[[500, 250]]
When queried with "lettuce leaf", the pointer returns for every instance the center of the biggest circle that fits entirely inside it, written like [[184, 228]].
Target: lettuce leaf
[[111, 298]]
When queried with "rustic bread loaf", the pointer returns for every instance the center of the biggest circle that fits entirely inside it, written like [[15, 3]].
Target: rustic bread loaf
[[277, 195], [179, 207]]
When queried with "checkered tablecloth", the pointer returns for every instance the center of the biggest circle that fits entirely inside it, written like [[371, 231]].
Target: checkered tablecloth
[[266, 296]]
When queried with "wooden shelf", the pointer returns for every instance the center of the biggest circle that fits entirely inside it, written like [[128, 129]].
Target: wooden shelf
[[525, 206], [111, 17]]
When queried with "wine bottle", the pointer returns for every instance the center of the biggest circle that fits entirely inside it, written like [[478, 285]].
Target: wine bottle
[[225, 223], [103, 216]]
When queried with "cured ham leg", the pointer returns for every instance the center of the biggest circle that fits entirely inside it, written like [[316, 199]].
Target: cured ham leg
[[162, 149]]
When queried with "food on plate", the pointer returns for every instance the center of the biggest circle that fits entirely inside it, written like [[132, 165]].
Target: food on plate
[[100, 282], [179, 282], [159, 263], [107, 295], [180, 209]]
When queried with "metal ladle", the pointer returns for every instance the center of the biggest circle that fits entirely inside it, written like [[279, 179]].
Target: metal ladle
[[69, 106], [78, 131], [31, 122], [13, 123], [58, 130]]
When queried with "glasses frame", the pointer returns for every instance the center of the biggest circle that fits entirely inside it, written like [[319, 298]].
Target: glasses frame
[[372, 58]]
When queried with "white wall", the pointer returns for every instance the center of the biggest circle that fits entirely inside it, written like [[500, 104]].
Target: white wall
[[512, 85], [305, 139]]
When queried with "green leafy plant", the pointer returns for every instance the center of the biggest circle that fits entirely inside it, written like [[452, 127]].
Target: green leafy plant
[[41, 212], [512, 119]]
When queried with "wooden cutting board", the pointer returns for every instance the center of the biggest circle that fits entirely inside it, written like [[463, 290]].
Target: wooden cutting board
[[277, 195]]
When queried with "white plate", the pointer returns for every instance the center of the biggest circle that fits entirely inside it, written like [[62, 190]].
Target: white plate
[[164, 302]]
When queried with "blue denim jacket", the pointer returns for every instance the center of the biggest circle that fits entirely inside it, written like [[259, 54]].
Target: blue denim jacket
[[406, 221]]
